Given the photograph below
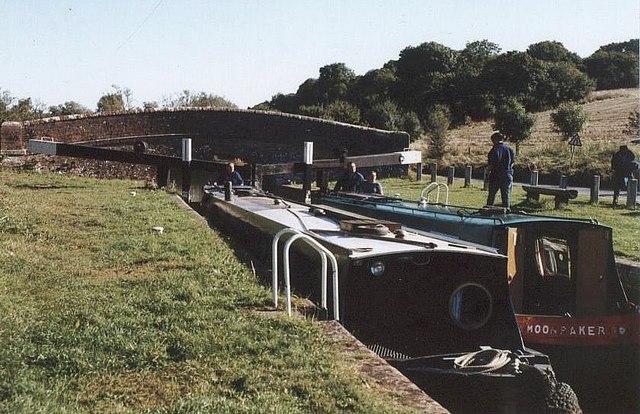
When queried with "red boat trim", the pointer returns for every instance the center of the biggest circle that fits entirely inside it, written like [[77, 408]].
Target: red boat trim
[[595, 331]]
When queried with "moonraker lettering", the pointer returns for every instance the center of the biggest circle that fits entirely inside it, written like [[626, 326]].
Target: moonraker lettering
[[582, 330]]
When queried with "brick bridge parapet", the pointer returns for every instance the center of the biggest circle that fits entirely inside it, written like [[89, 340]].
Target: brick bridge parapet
[[258, 136]]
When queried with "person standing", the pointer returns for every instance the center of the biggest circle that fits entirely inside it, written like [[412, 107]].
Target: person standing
[[622, 166], [351, 180], [500, 170], [372, 186]]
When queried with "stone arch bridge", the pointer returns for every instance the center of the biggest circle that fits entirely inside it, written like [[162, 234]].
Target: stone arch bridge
[[254, 136]]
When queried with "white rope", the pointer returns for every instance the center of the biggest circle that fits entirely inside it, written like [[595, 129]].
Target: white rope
[[485, 360]]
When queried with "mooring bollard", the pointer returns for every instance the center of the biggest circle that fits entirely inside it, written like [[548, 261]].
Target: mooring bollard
[[595, 190], [450, 174], [467, 176], [228, 191], [434, 172], [534, 177], [632, 193], [564, 180], [186, 169]]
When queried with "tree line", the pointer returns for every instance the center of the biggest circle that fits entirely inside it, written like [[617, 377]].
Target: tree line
[[429, 88], [120, 99], [430, 82]]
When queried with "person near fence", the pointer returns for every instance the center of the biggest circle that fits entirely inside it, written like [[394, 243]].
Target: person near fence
[[372, 186], [230, 174], [622, 165], [500, 170], [351, 180]]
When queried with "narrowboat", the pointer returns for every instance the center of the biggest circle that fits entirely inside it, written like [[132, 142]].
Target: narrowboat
[[438, 310], [564, 285]]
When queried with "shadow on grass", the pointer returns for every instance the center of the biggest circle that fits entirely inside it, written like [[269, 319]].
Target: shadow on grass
[[44, 186]]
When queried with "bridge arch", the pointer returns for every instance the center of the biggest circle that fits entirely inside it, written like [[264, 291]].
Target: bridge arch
[[258, 136]]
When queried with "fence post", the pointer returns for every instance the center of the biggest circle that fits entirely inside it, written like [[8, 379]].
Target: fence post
[[451, 172], [419, 171], [434, 172], [467, 176], [485, 184], [564, 180], [534, 177], [595, 190], [632, 192]]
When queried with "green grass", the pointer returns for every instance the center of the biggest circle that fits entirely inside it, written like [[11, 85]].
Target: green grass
[[624, 222], [99, 313]]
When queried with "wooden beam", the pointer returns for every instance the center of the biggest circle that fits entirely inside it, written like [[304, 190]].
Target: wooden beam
[[83, 151]]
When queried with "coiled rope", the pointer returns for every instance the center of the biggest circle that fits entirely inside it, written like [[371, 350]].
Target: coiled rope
[[485, 360]]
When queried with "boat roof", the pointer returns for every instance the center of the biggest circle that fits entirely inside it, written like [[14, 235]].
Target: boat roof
[[363, 239], [495, 216]]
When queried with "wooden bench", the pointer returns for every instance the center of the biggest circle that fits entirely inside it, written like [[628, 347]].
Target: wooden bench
[[562, 195]]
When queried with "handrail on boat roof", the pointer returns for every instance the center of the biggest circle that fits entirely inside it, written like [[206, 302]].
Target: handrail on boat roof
[[324, 254], [430, 188]]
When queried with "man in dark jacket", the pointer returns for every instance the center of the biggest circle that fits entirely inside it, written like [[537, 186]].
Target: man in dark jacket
[[500, 170], [351, 180], [230, 174], [622, 164]]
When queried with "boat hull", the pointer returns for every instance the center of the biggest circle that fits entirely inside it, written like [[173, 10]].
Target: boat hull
[[569, 300], [426, 302]]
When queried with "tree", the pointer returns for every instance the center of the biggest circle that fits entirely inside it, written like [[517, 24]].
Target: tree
[[151, 105], [25, 110], [127, 96], [563, 82], [471, 98], [475, 55], [189, 99], [334, 82], [20, 109], [516, 75], [630, 46], [342, 111], [613, 69], [438, 122], [425, 76], [6, 100], [552, 51], [410, 124], [513, 121], [385, 115], [374, 87], [288, 103], [68, 108], [308, 93], [568, 119], [316, 111], [111, 102]]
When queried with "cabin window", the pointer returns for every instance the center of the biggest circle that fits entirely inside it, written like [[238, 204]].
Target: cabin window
[[470, 306], [553, 258]]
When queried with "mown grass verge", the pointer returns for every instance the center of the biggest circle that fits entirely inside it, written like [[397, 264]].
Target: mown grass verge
[[99, 313], [624, 222]]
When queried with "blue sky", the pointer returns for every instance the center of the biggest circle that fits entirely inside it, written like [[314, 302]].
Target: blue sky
[[248, 50]]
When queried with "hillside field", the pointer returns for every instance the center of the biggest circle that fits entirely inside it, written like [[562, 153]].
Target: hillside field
[[608, 114]]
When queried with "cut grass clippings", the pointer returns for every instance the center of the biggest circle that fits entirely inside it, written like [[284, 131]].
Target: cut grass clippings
[[100, 313]]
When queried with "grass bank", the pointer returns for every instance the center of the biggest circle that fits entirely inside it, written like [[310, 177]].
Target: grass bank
[[624, 222], [99, 313]]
